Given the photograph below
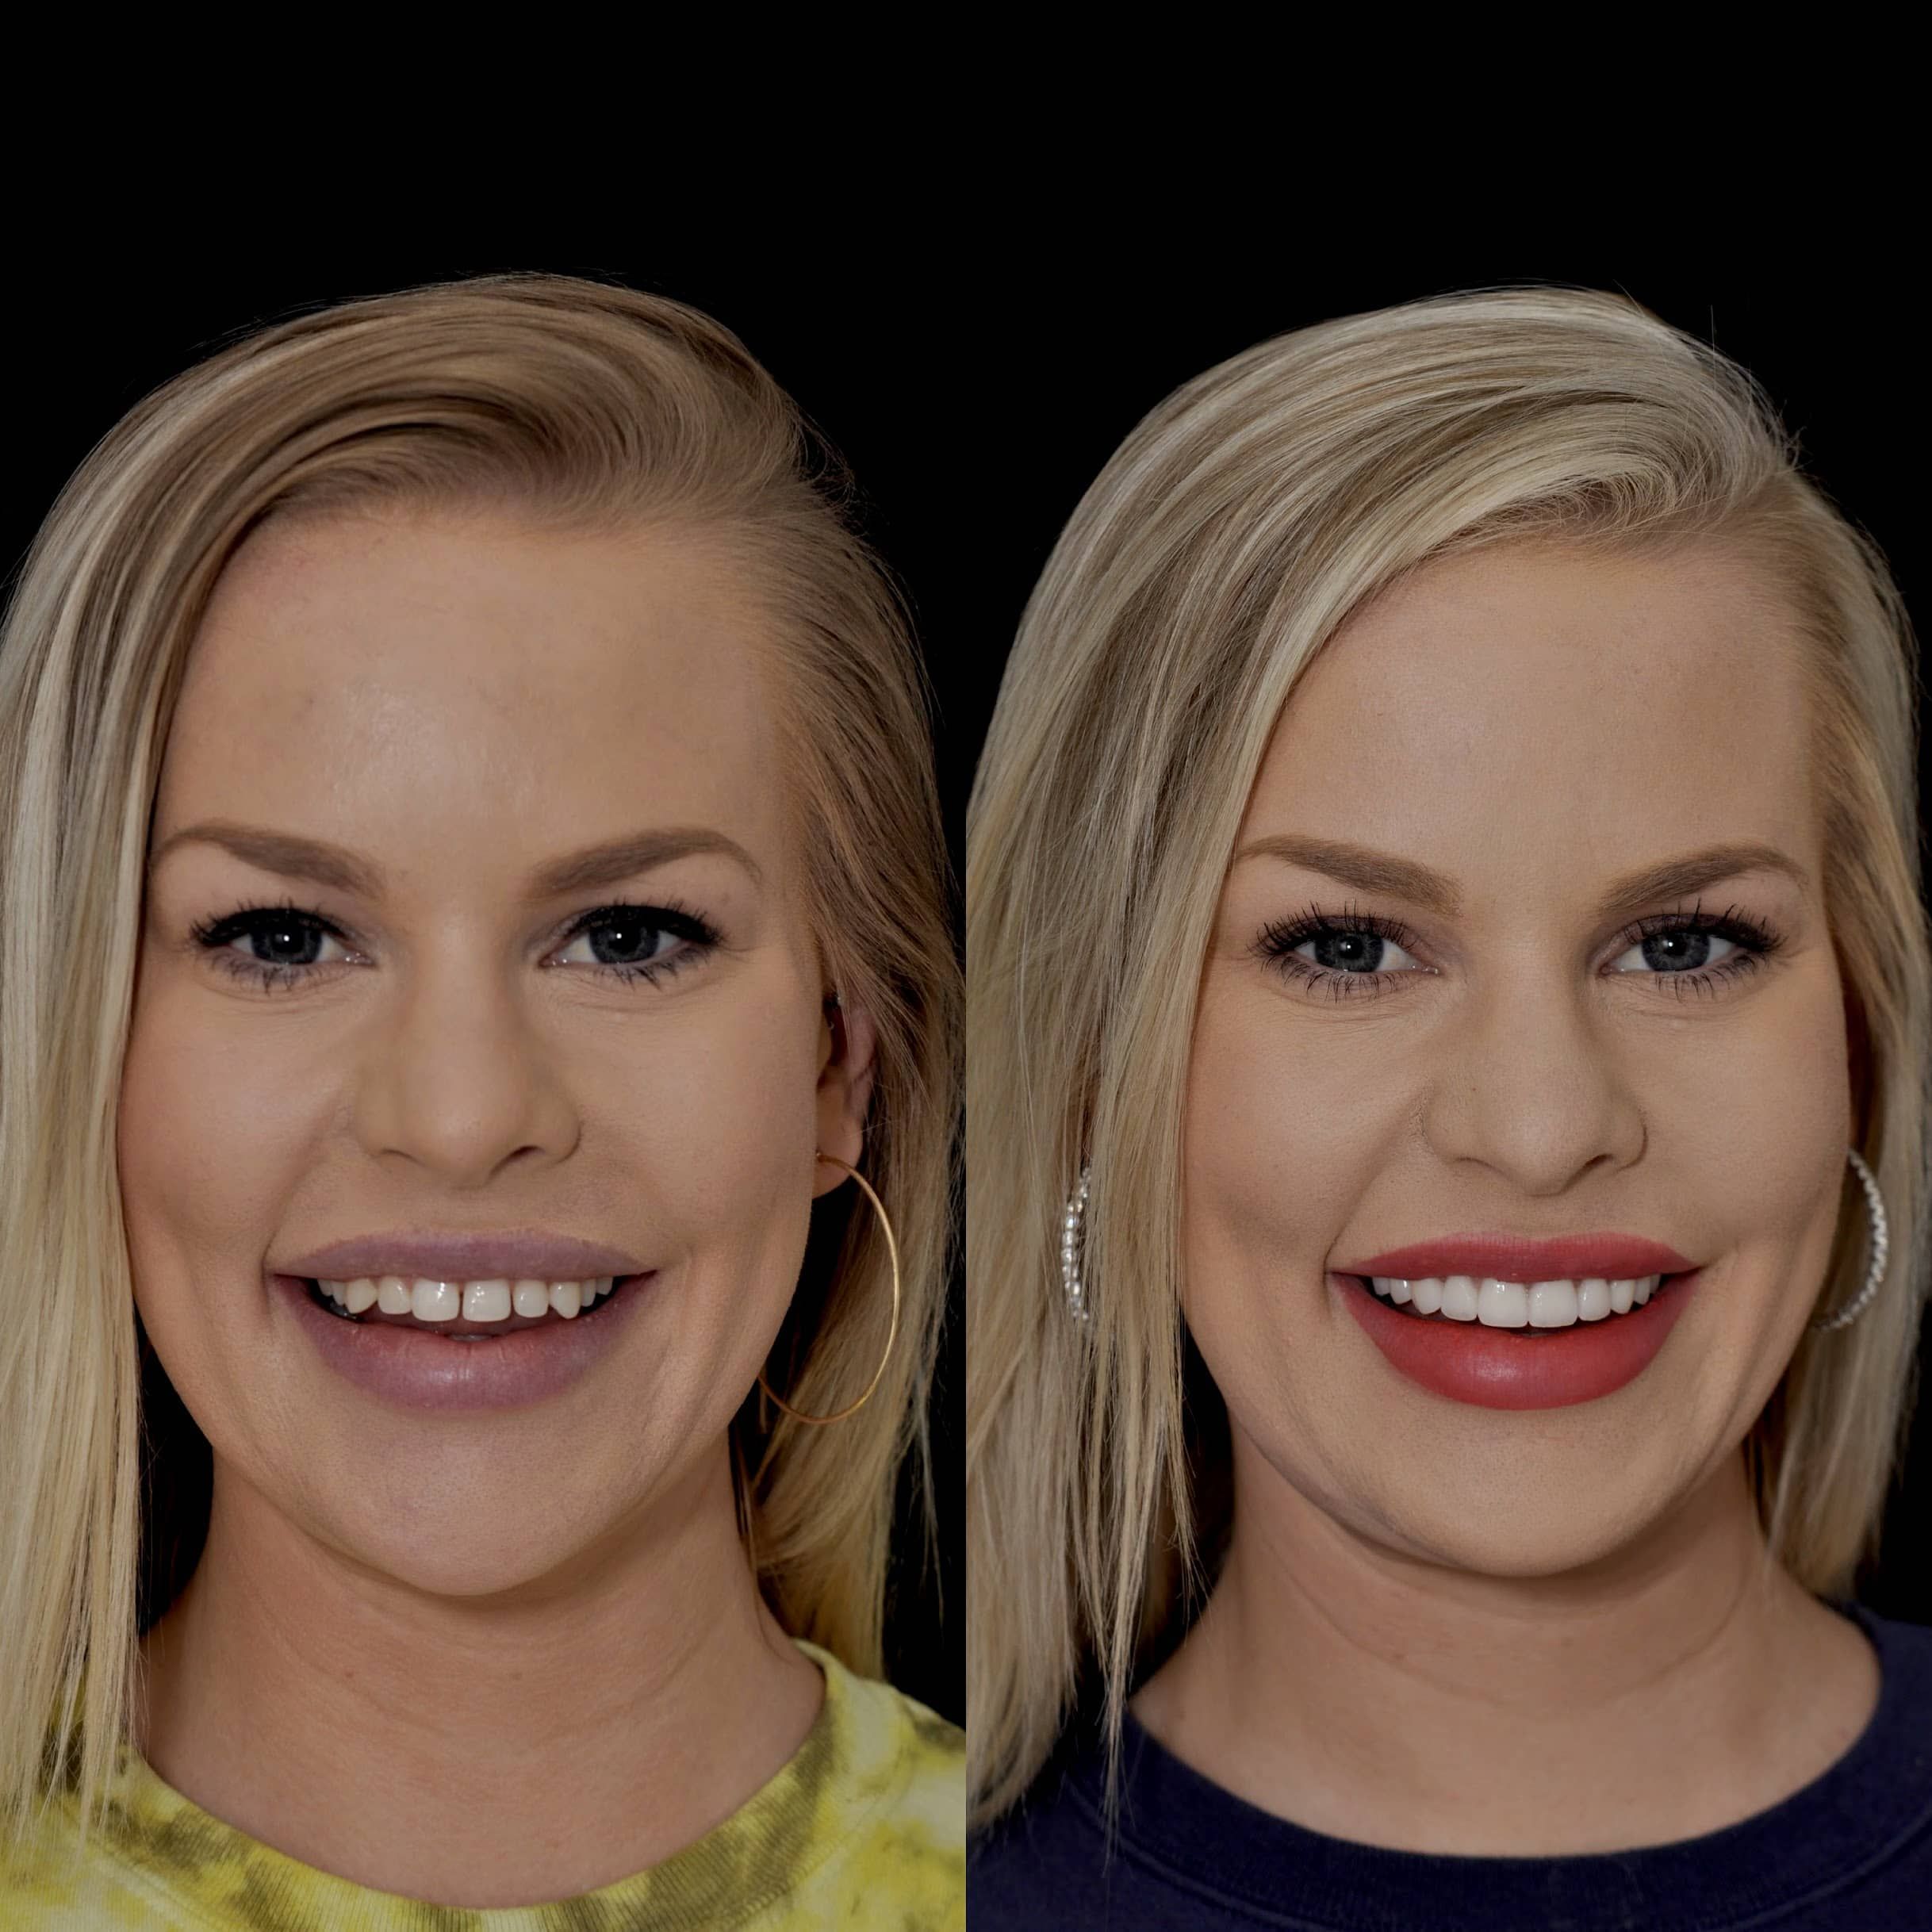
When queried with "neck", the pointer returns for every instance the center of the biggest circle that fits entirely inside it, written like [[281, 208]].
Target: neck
[[1678, 1686], [504, 1750]]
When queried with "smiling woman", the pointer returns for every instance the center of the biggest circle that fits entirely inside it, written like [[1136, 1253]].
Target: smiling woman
[[1447, 1058], [454, 1402]]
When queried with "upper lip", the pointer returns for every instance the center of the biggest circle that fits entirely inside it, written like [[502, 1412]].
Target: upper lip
[[1524, 1258], [513, 1254]]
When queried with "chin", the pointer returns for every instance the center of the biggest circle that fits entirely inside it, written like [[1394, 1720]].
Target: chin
[[1552, 1549], [1524, 1529], [1534, 1510], [452, 1542], [489, 1558]]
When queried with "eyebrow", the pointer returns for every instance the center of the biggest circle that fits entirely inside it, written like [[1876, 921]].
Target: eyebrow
[[1382, 871], [293, 857]]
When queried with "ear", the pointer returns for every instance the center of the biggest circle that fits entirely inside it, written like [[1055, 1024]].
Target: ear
[[848, 1042]]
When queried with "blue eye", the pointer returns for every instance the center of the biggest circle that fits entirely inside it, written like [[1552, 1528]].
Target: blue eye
[[1677, 951], [281, 930], [1350, 947], [651, 941], [1348, 951]]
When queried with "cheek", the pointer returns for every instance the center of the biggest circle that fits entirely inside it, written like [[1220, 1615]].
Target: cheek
[[720, 1122], [1266, 1156], [689, 1128], [1277, 1135], [1732, 1128], [1762, 1101], [232, 1129], [1755, 1128], [215, 1129], [1277, 1138], [1288, 1125]]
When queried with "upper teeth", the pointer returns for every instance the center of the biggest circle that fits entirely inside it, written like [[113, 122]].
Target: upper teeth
[[435, 1301], [1518, 1305]]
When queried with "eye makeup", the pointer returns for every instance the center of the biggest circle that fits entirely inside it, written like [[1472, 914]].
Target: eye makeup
[[1277, 944], [675, 935]]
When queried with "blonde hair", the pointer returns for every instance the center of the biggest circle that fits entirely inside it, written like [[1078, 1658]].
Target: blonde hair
[[1225, 541], [581, 406]]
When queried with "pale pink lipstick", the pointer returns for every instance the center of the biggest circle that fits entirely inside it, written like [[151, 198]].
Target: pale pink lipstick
[[1521, 1368], [516, 1361], [416, 1367]]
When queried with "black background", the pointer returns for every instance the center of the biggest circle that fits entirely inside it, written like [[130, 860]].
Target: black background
[[977, 390]]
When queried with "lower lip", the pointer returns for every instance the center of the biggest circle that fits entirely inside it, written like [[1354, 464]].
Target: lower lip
[[1505, 1368], [416, 1368]]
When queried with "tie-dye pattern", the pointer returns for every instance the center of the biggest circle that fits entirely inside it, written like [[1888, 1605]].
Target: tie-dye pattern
[[865, 1827]]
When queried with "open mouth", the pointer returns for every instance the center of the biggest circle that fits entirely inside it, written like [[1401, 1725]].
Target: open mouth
[[480, 1311], [1530, 1311]]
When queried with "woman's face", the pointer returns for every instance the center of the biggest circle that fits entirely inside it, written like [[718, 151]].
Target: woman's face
[[1517, 1045], [401, 729]]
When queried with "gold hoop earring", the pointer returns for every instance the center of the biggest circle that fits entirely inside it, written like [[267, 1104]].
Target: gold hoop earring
[[892, 1335]]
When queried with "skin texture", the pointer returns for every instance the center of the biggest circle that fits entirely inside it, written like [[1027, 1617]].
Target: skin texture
[[492, 1658], [1444, 1627]]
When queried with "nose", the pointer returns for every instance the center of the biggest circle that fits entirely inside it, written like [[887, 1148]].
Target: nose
[[1535, 1081], [461, 1076]]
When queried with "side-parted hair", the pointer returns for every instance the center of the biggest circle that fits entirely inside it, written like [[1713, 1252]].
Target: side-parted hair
[[568, 403], [1226, 540]]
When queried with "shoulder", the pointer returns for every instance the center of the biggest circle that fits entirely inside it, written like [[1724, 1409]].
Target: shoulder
[[52, 1879], [1905, 1676], [899, 1806], [884, 1738], [1046, 1861], [1909, 1645]]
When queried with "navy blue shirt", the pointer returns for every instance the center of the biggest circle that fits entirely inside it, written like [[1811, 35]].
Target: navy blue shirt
[[1850, 1852]]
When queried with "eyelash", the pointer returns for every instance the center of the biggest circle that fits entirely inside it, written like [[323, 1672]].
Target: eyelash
[[1276, 945], [680, 922]]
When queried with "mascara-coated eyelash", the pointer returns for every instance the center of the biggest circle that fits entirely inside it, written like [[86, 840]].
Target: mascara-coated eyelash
[[1756, 942], [680, 922], [216, 937]]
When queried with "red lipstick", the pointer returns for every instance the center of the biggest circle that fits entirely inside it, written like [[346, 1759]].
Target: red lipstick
[[1513, 1368], [1524, 1258]]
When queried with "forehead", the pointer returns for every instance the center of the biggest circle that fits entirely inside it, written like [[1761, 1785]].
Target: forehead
[[443, 683], [1531, 709]]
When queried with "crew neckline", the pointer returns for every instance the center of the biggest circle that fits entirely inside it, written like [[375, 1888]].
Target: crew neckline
[[707, 1884], [1201, 1837]]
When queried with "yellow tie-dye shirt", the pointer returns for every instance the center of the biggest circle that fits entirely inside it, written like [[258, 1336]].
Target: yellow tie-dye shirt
[[865, 1825]]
